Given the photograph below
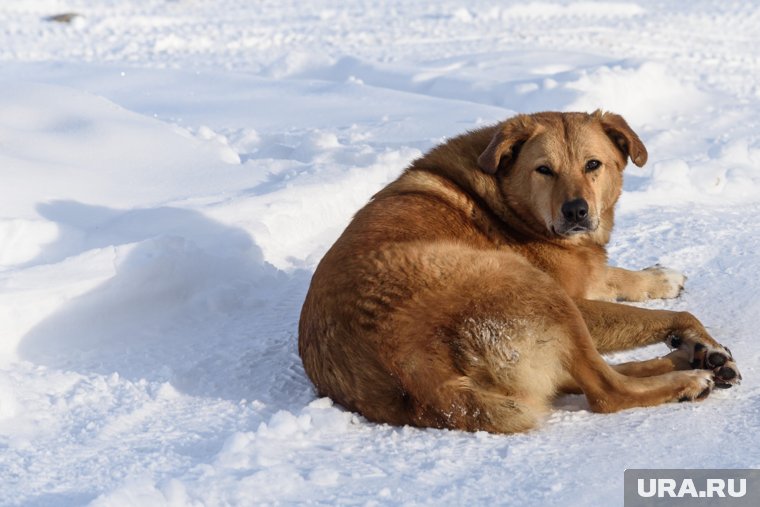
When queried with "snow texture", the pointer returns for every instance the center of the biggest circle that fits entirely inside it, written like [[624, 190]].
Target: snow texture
[[172, 171]]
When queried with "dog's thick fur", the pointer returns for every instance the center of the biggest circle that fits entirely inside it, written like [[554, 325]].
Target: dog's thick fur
[[475, 288]]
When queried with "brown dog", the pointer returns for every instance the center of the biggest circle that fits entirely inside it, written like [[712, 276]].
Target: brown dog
[[475, 288]]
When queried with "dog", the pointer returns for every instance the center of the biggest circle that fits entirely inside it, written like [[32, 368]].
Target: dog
[[474, 289]]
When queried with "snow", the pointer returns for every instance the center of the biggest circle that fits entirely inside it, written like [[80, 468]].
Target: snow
[[172, 172]]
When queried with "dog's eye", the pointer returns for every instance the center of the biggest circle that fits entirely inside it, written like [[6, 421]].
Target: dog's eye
[[544, 170], [592, 165]]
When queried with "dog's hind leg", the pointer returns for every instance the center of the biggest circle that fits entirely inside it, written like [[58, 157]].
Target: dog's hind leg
[[480, 369], [608, 390], [677, 360], [459, 403], [615, 327], [477, 348], [497, 353]]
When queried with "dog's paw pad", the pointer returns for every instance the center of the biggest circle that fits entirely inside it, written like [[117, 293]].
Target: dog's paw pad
[[727, 375], [701, 356]]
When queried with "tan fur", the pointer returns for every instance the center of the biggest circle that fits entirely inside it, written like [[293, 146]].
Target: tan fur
[[458, 297]]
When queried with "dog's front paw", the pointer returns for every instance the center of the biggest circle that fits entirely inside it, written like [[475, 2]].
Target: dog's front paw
[[720, 361], [665, 283], [702, 356]]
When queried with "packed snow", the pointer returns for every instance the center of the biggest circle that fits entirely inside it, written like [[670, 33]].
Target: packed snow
[[172, 172]]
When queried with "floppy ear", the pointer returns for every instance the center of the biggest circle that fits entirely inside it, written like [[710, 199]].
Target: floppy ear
[[623, 136], [509, 135]]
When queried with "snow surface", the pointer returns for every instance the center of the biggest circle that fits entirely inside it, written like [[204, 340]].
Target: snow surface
[[172, 171]]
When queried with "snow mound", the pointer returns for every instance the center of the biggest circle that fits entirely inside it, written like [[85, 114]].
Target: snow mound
[[22, 240], [86, 148], [644, 94], [732, 175], [585, 9], [304, 205]]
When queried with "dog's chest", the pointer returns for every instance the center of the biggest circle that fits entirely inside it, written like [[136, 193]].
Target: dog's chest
[[576, 270]]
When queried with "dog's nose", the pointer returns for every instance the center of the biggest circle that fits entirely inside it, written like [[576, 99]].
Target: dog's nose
[[575, 210]]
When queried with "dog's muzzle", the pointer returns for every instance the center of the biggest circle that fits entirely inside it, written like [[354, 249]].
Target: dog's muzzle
[[575, 218]]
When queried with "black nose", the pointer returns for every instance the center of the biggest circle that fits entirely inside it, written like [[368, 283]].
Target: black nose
[[575, 210]]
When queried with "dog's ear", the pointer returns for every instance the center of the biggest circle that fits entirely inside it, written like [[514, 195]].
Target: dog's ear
[[505, 142], [623, 136]]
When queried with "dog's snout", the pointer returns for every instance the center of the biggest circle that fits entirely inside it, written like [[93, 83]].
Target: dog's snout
[[575, 210]]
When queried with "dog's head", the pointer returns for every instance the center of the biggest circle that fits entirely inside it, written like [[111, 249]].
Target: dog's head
[[562, 171]]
